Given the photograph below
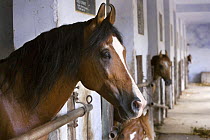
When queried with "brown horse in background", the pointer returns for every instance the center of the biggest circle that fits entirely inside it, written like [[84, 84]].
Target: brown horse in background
[[189, 59], [162, 67], [135, 129], [37, 79], [139, 128]]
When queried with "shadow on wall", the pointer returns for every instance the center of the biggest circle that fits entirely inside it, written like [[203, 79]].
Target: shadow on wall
[[6, 28]]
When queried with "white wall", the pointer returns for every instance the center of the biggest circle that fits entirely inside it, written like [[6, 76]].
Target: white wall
[[141, 41], [152, 27], [30, 18], [155, 45], [66, 13], [169, 8], [160, 9], [198, 38]]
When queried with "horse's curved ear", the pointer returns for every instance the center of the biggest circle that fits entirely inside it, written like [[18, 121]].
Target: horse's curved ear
[[160, 54], [112, 14], [101, 14], [99, 17], [166, 53]]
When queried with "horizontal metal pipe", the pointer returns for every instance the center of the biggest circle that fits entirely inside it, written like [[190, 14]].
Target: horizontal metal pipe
[[114, 133], [146, 84], [54, 124], [158, 105]]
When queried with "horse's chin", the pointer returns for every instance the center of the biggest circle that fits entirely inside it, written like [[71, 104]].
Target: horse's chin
[[124, 117], [168, 82]]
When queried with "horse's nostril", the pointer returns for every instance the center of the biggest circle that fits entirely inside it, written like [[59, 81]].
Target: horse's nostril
[[136, 105], [168, 82]]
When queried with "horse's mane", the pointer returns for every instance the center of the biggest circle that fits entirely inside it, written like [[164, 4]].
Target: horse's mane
[[42, 60]]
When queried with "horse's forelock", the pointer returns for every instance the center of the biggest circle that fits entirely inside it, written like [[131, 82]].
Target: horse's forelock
[[100, 35]]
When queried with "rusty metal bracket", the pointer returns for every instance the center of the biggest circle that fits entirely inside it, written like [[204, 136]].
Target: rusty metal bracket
[[75, 99]]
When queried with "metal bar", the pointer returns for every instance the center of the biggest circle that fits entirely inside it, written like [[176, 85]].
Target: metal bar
[[54, 124], [146, 84], [158, 105], [114, 133]]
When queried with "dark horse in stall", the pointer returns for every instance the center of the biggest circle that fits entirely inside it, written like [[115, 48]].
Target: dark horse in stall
[[162, 67], [189, 59], [139, 128], [37, 79]]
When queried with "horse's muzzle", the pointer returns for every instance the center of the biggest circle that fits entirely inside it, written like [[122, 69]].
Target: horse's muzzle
[[168, 82], [135, 106]]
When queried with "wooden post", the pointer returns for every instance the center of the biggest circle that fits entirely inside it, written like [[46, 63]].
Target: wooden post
[[107, 118], [139, 70], [48, 127], [150, 94], [156, 99], [180, 79], [71, 106], [162, 99]]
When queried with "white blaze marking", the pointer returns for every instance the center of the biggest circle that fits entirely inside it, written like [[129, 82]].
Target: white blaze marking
[[119, 49], [166, 64], [132, 136]]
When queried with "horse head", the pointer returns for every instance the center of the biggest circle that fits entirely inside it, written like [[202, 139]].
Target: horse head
[[103, 66], [135, 129], [189, 59], [162, 67]]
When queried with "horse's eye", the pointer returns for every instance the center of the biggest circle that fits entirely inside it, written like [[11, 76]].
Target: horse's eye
[[161, 66], [105, 54]]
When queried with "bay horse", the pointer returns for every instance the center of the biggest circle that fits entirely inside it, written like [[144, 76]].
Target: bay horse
[[162, 67], [139, 128], [135, 129], [37, 79], [189, 59]]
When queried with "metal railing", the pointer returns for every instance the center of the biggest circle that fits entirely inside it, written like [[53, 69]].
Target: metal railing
[[48, 127]]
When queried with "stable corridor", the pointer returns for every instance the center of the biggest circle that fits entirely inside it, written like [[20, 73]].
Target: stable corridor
[[191, 111]]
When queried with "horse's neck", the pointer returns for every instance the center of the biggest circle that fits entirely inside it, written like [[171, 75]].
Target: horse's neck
[[55, 99]]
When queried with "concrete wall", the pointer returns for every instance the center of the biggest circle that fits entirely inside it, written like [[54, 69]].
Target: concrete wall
[[199, 47], [30, 18], [160, 10], [180, 54], [141, 41], [154, 9], [6, 32], [152, 27], [169, 8]]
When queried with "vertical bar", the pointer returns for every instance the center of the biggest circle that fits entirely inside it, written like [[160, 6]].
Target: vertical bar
[[139, 69], [150, 93], [107, 118], [71, 128]]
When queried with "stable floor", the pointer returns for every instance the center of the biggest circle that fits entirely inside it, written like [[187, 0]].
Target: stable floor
[[191, 111]]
